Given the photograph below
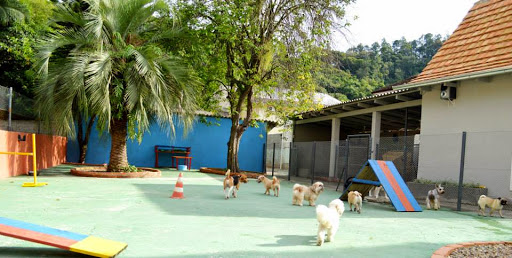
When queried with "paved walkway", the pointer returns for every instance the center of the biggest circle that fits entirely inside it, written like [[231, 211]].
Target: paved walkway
[[140, 213]]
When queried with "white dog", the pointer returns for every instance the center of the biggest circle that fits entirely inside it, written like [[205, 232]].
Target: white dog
[[375, 191], [329, 219], [433, 197], [310, 193]]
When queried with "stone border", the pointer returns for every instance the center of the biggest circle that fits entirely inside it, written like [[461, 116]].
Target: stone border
[[219, 171], [446, 250], [101, 172]]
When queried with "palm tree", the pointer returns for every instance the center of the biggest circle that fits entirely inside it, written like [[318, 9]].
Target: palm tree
[[11, 11], [109, 64]]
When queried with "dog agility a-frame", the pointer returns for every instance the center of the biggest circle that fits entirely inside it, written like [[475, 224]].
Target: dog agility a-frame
[[380, 172], [84, 244]]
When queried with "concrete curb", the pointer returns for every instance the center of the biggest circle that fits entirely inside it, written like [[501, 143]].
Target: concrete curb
[[100, 172], [446, 250]]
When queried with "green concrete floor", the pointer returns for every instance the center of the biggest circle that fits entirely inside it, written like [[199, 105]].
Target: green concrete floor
[[140, 213]]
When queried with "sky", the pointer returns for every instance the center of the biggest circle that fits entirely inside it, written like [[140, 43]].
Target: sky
[[394, 19]]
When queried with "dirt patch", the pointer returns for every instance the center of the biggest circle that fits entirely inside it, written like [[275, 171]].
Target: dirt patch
[[220, 171], [101, 171]]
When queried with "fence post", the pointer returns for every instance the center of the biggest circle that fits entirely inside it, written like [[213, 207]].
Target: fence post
[[273, 157], [313, 162], [461, 174], [9, 123], [290, 161], [347, 150], [405, 142]]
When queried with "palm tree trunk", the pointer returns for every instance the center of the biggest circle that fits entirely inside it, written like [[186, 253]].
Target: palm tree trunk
[[118, 154]]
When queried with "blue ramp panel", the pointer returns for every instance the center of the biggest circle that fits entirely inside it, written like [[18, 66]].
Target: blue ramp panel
[[379, 172], [90, 245]]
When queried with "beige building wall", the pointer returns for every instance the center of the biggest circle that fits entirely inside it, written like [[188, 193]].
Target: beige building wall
[[482, 109]]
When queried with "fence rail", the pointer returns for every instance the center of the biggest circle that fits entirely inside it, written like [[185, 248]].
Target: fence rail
[[17, 113], [480, 162]]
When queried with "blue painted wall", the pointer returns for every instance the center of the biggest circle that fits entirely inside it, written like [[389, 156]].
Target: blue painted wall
[[208, 146]]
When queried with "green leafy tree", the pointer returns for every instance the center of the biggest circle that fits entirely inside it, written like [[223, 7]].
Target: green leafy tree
[[17, 41], [242, 40], [109, 64], [360, 70]]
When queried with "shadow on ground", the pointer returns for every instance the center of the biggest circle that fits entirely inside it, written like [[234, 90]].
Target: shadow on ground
[[208, 200], [7, 252], [327, 250]]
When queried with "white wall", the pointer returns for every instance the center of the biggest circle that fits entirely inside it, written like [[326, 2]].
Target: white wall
[[482, 109]]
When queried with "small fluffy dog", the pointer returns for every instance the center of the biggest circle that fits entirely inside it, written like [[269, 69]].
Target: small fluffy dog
[[433, 197], [329, 220], [494, 204], [375, 190], [355, 198], [310, 193], [232, 183], [270, 184]]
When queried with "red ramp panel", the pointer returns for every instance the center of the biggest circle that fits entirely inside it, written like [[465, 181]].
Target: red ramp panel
[[398, 192], [74, 242], [380, 172]]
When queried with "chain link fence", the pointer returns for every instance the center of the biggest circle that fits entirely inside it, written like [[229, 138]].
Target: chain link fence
[[22, 117], [480, 162], [403, 151], [467, 165]]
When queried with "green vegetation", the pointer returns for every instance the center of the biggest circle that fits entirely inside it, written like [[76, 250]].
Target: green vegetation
[[127, 64], [447, 183], [130, 168], [362, 69], [251, 48], [115, 70], [22, 24]]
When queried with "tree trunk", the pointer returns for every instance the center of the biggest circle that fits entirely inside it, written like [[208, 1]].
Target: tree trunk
[[83, 141], [80, 139], [237, 129], [118, 154], [233, 148]]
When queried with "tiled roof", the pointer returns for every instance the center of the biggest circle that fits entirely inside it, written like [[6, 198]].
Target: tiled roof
[[483, 41]]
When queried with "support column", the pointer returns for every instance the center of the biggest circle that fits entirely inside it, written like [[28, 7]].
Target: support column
[[376, 118], [335, 139]]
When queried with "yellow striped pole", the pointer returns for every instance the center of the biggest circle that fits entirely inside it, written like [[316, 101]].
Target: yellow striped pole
[[34, 163]]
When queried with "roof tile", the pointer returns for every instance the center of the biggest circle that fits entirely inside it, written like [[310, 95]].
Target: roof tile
[[482, 41]]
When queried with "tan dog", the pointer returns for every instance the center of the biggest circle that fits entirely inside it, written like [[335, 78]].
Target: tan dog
[[232, 183], [309, 193], [270, 184], [494, 204], [355, 198]]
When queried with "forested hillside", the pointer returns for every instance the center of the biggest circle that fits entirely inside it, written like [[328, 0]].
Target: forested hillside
[[362, 69]]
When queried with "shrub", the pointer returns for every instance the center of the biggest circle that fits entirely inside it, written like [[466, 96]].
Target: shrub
[[448, 183], [130, 168]]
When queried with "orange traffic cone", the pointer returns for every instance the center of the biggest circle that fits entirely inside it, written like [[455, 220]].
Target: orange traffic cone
[[178, 189]]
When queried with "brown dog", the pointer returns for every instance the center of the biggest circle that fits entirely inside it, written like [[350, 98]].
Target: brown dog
[[355, 198], [494, 204], [309, 193], [232, 183], [274, 184]]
